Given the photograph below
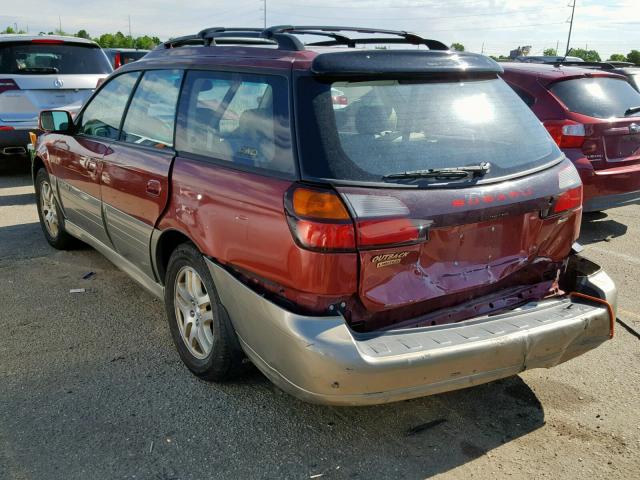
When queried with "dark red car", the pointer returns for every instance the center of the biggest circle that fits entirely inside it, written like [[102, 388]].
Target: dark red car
[[594, 116], [414, 237]]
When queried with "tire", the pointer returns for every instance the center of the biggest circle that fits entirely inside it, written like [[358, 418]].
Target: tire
[[50, 213], [200, 327]]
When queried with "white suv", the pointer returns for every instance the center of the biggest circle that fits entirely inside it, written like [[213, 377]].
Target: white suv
[[43, 73]]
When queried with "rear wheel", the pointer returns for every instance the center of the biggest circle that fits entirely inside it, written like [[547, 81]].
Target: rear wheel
[[51, 219], [200, 327]]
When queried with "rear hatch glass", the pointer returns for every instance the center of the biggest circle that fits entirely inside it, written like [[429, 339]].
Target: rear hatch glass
[[29, 58], [600, 97], [364, 131]]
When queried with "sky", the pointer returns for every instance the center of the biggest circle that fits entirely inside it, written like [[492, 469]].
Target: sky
[[490, 26]]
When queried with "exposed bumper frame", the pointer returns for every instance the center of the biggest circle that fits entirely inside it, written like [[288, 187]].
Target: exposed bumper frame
[[320, 360]]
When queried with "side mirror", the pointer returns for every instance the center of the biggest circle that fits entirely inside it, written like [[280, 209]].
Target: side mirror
[[55, 121]]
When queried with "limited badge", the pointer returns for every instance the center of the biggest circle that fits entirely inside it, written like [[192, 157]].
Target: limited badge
[[389, 259]]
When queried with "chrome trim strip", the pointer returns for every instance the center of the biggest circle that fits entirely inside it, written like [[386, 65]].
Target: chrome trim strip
[[130, 237], [118, 260]]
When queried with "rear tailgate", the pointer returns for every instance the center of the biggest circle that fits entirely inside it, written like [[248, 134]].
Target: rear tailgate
[[480, 240], [44, 92]]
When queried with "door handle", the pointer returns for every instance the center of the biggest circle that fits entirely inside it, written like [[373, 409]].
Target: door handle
[[92, 166], [154, 188]]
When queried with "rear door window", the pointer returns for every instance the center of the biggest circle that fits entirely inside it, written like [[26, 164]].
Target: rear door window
[[150, 118], [102, 116], [240, 119], [364, 131], [598, 97], [32, 58]]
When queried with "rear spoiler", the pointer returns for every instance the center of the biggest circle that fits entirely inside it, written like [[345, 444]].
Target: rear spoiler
[[402, 63]]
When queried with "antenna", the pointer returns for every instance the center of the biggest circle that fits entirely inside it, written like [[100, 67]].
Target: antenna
[[573, 11]]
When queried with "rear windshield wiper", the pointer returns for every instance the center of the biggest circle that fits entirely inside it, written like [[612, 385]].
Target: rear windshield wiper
[[631, 111], [452, 172]]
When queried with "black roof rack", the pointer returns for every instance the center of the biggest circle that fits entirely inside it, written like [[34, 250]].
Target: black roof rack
[[285, 37], [573, 63]]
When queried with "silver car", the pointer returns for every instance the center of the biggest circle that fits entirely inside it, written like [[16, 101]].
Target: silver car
[[43, 73]]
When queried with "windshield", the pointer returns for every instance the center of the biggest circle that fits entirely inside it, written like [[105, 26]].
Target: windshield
[[52, 58], [366, 131], [597, 97]]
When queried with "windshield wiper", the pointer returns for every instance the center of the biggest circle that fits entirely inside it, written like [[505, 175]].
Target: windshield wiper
[[452, 172], [631, 111]]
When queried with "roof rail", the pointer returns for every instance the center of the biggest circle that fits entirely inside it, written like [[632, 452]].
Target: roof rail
[[338, 39], [571, 63], [285, 37]]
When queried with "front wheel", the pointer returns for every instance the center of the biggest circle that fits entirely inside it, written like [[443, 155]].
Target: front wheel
[[51, 219], [200, 327]]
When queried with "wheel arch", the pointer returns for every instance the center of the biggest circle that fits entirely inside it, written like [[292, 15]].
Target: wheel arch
[[163, 245]]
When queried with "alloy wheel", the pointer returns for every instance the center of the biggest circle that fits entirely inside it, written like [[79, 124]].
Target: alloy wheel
[[194, 313]]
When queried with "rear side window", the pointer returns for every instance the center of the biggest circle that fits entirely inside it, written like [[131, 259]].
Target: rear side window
[[364, 131], [151, 116], [242, 119], [598, 97], [525, 96], [102, 116], [30, 58]]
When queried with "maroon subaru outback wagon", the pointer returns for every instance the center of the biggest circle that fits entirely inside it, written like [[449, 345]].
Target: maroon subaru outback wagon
[[364, 225]]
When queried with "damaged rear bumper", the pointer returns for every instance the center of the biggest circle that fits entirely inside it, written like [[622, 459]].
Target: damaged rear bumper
[[320, 360]]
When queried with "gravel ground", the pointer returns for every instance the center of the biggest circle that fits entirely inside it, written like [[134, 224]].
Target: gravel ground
[[91, 387]]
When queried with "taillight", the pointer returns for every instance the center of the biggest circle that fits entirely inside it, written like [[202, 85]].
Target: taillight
[[384, 221], [566, 133], [571, 197], [5, 128], [319, 220], [7, 84], [340, 100], [117, 61]]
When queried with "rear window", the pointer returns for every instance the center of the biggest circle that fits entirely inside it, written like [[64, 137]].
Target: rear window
[[599, 97], [363, 131], [52, 59]]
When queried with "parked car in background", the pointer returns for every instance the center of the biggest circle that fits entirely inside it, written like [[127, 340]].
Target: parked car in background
[[594, 116], [628, 69], [39, 73], [413, 239], [546, 59], [121, 56]]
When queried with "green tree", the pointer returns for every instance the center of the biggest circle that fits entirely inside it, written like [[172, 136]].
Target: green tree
[[618, 57], [12, 30], [550, 52], [634, 57], [83, 34], [586, 55], [458, 47]]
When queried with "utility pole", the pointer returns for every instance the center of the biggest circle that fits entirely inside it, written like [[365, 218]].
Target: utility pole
[[557, 46], [573, 11], [130, 26], [482, 52], [60, 25], [264, 7]]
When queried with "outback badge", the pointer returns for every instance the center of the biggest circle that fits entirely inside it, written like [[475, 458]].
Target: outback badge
[[389, 259]]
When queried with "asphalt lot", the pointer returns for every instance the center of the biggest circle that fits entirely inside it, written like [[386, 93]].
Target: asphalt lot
[[91, 387]]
